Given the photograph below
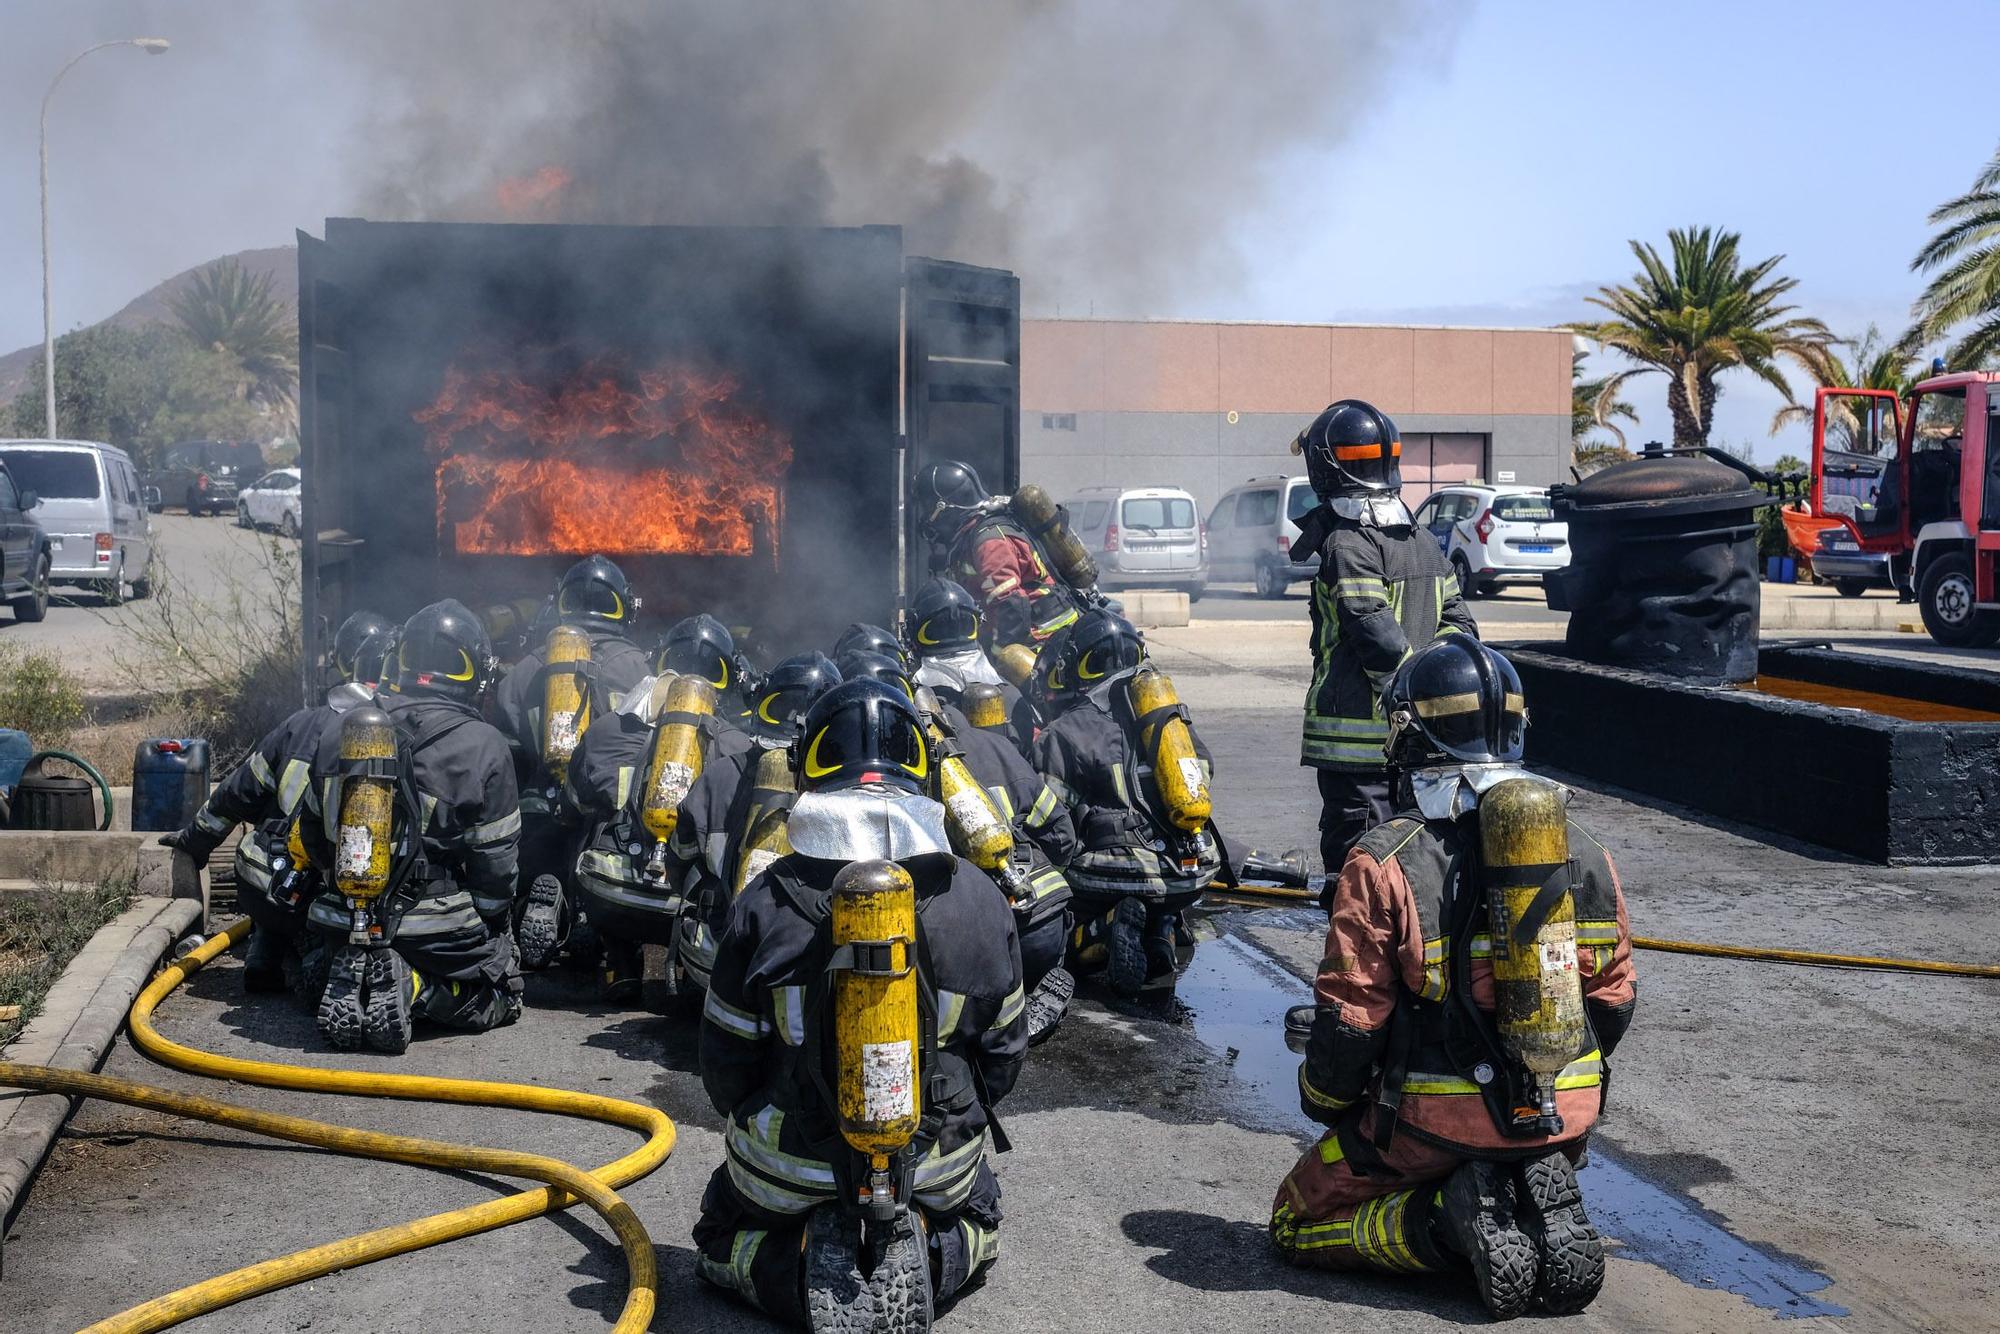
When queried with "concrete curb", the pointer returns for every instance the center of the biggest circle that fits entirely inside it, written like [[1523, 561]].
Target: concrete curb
[[78, 1023], [1837, 613]]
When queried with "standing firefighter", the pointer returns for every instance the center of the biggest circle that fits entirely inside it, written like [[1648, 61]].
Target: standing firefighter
[[444, 845], [1477, 974], [1122, 756], [983, 544], [545, 703], [1383, 590], [864, 1017], [265, 790]]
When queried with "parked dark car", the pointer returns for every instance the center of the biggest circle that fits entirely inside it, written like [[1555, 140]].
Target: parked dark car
[[24, 552], [203, 475]]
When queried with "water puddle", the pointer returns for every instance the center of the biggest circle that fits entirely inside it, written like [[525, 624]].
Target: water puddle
[[1236, 996]]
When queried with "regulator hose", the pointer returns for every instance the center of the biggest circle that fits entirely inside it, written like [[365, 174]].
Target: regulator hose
[[566, 1184], [1286, 894]]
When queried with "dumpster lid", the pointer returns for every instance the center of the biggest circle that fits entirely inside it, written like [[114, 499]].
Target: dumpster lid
[[1661, 485]]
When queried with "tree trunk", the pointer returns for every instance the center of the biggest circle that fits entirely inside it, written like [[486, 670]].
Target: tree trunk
[[1689, 431]]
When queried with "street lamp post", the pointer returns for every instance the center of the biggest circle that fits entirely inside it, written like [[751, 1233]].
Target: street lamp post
[[152, 46]]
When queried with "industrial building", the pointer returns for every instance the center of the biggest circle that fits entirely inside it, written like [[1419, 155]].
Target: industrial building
[[1207, 405]]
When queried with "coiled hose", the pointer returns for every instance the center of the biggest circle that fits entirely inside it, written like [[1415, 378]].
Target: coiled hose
[[566, 1184], [1286, 894]]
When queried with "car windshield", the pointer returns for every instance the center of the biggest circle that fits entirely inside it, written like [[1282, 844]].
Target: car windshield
[[1524, 509], [1300, 503], [1158, 512], [54, 474]]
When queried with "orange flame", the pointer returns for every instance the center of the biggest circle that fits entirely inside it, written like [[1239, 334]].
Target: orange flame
[[667, 462], [535, 193]]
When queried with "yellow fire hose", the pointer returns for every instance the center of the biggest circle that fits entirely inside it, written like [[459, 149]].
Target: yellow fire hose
[[566, 1184], [1285, 894]]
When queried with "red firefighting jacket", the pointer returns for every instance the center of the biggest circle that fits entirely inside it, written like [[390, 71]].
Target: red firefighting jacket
[[1021, 600]]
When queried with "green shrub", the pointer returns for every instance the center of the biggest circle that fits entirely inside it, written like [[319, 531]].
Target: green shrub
[[39, 697]]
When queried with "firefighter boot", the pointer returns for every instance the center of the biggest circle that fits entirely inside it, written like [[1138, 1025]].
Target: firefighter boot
[[1475, 1218], [894, 1295], [1125, 946], [389, 1001], [1570, 1250], [264, 962], [620, 975], [1048, 1003], [540, 931], [1162, 945]]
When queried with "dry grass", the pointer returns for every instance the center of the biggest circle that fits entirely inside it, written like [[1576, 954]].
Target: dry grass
[[41, 931]]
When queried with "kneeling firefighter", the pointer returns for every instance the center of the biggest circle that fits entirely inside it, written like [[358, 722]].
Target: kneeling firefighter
[[1123, 757], [629, 775], [274, 882], [993, 548], [732, 821], [864, 1017], [1477, 973], [545, 703], [413, 809], [943, 629]]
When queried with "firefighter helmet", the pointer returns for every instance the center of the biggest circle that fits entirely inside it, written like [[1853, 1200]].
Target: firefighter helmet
[[864, 638], [1047, 687], [943, 618], [1352, 449], [945, 495], [863, 732], [1101, 647], [1454, 701], [859, 664], [355, 631], [699, 646], [788, 692], [444, 651], [375, 660], [594, 589]]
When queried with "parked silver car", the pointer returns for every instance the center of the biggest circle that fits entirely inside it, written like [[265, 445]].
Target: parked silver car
[[1251, 531], [99, 534], [1143, 537]]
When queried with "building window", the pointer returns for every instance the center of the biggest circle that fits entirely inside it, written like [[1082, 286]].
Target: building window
[[1058, 421]]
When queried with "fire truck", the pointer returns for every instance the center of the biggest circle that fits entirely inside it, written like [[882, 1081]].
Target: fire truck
[[1917, 479]]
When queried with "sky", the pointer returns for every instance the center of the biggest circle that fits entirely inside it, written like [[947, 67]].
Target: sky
[[1494, 172]]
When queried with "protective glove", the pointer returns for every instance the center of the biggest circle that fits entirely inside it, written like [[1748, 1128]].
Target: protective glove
[[193, 841]]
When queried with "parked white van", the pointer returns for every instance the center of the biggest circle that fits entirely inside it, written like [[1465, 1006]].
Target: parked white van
[[100, 536], [1143, 537]]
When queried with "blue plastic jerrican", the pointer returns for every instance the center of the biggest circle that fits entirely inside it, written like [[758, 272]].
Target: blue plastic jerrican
[[169, 782]]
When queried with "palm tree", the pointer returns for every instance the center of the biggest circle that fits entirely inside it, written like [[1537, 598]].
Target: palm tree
[[1698, 313], [232, 311], [1595, 405], [1965, 258], [1878, 364]]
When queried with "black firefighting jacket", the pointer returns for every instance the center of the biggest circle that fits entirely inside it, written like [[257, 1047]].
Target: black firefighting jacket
[[273, 779], [1089, 757], [1381, 593], [607, 774], [616, 665], [1044, 835], [768, 992]]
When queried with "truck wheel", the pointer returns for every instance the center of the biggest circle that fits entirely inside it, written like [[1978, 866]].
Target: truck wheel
[[33, 605], [1946, 599], [1851, 588], [1271, 581]]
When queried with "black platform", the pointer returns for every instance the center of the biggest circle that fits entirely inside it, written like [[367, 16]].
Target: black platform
[[1880, 788]]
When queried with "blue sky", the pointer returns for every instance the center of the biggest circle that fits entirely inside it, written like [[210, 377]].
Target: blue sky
[[1493, 178]]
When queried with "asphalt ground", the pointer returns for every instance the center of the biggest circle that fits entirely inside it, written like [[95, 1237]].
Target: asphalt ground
[[1782, 1143]]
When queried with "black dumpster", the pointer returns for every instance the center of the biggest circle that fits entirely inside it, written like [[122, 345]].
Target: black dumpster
[[1663, 566]]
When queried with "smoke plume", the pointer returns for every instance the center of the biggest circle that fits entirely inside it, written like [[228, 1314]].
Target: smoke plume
[[1103, 148]]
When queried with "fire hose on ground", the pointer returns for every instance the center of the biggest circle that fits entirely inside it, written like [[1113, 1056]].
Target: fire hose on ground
[[565, 1184], [1286, 894]]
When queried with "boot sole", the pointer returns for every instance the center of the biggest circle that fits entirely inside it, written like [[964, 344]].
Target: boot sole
[[1048, 1003], [894, 1299], [1125, 944], [541, 923], [387, 1021], [1503, 1258], [1572, 1252], [340, 1017]]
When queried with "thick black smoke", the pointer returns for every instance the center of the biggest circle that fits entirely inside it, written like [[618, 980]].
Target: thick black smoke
[[1104, 148]]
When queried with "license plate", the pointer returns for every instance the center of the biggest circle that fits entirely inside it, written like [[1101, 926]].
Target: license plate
[[1537, 548], [1842, 546]]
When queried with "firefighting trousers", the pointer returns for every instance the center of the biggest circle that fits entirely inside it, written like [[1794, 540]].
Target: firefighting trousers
[[1042, 947], [1351, 802], [1330, 1216]]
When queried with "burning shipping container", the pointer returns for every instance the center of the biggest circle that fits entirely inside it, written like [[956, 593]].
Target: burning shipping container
[[729, 412]]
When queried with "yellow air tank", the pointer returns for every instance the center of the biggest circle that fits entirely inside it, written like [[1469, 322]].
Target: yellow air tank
[[676, 761], [565, 698], [365, 823], [977, 831], [770, 806], [1537, 990], [1016, 662], [985, 707], [1169, 746], [876, 1033], [1040, 515]]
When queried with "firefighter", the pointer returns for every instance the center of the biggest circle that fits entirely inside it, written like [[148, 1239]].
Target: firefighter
[[978, 542], [862, 637], [944, 638], [452, 937], [702, 646], [594, 598], [863, 760], [1383, 589], [1134, 872], [1437, 1157], [732, 822], [265, 791]]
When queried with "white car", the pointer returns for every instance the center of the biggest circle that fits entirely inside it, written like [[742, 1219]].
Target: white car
[[272, 501], [1493, 534]]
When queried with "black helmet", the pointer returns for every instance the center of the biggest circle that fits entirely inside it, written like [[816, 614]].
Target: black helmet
[[1454, 700], [788, 692], [444, 651], [945, 495], [375, 661], [1352, 448], [863, 732], [943, 617], [1048, 687], [859, 664], [699, 646], [1102, 646], [594, 589], [355, 631], [864, 638]]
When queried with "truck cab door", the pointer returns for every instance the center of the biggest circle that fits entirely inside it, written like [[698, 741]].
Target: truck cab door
[[1860, 465]]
